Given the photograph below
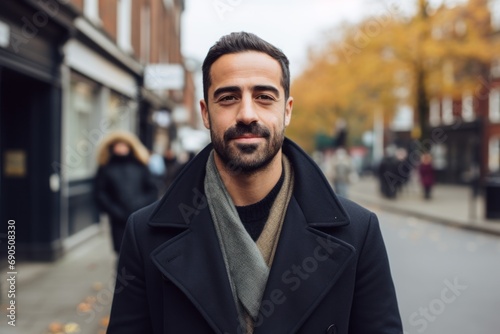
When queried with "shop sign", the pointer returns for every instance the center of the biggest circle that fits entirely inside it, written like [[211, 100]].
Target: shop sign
[[164, 76], [15, 163]]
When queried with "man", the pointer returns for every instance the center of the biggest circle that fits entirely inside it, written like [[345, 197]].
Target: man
[[250, 238]]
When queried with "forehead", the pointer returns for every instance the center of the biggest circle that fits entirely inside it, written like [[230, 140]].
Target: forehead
[[242, 68]]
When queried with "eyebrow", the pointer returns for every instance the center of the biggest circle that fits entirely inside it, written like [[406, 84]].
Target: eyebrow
[[236, 89], [228, 89], [272, 89]]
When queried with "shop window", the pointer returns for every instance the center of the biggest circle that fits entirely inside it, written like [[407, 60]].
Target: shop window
[[80, 148], [120, 113], [494, 111], [494, 155]]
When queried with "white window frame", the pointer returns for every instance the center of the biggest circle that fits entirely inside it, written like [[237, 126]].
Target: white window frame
[[124, 25], [494, 6], [145, 27], [468, 114], [494, 105], [168, 4], [91, 10], [494, 155], [495, 68], [434, 112], [447, 110]]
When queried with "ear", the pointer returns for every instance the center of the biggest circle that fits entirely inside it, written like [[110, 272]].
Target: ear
[[204, 113], [288, 110]]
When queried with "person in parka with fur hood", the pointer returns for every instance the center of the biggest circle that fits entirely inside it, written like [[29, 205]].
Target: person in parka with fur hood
[[123, 183]]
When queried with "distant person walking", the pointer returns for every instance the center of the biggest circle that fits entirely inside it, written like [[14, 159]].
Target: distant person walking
[[426, 172], [123, 183], [388, 174], [342, 172]]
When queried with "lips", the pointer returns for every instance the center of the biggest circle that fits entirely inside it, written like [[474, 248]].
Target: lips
[[247, 137]]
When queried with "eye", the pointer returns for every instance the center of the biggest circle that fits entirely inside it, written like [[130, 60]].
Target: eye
[[227, 99], [265, 97]]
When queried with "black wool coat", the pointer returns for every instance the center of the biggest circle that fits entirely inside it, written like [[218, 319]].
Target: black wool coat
[[123, 186], [330, 272]]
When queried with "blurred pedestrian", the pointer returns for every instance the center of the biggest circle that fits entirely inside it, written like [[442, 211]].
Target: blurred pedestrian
[[403, 169], [342, 172], [388, 174], [123, 183], [426, 172]]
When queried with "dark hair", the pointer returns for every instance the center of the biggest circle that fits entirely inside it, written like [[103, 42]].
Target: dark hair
[[240, 42]]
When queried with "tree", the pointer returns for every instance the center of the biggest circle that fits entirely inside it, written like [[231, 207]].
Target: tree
[[389, 60]]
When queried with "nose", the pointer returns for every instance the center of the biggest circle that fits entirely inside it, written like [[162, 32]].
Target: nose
[[246, 111]]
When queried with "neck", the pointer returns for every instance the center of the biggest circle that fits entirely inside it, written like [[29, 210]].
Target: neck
[[246, 189]]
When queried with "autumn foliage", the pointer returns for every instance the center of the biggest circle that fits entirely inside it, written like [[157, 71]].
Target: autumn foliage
[[389, 60]]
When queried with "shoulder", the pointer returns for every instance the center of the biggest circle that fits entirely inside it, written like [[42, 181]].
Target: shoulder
[[138, 221], [363, 223], [355, 211]]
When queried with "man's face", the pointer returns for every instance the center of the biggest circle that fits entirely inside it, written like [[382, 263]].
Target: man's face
[[246, 110]]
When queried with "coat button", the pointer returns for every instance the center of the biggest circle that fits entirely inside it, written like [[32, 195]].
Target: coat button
[[332, 329]]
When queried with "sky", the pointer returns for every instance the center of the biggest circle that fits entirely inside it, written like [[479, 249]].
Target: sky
[[291, 25]]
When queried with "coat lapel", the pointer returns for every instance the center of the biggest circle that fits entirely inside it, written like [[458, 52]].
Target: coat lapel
[[306, 266], [307, 262], [193, 262]]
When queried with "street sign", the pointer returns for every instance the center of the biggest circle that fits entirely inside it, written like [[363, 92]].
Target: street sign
[[164, 76]]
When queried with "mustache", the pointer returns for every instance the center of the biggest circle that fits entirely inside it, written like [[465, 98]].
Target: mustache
[[246, 129]]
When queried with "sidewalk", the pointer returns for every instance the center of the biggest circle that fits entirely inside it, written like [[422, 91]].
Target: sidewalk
[[451, 205], [71, 295]]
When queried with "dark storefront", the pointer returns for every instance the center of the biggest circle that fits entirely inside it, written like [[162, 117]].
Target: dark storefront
[[30, 124], [458, 157]]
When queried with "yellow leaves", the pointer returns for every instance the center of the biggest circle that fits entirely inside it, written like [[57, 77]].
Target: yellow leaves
[[361, 71], [60, 328]]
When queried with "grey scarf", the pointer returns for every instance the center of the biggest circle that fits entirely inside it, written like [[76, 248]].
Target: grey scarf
[[247, 262]]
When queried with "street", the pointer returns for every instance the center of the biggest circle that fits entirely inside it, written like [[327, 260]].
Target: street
[[447, 279]]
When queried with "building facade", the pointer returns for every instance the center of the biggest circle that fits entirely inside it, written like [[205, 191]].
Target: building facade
[[464, 104], [70, 72], [470, 119]]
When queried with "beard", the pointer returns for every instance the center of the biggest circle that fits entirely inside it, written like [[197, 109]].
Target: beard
[[247, 158]]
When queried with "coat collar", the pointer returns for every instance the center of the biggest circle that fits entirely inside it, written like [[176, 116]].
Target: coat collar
[[194, 263], [185, 197]]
